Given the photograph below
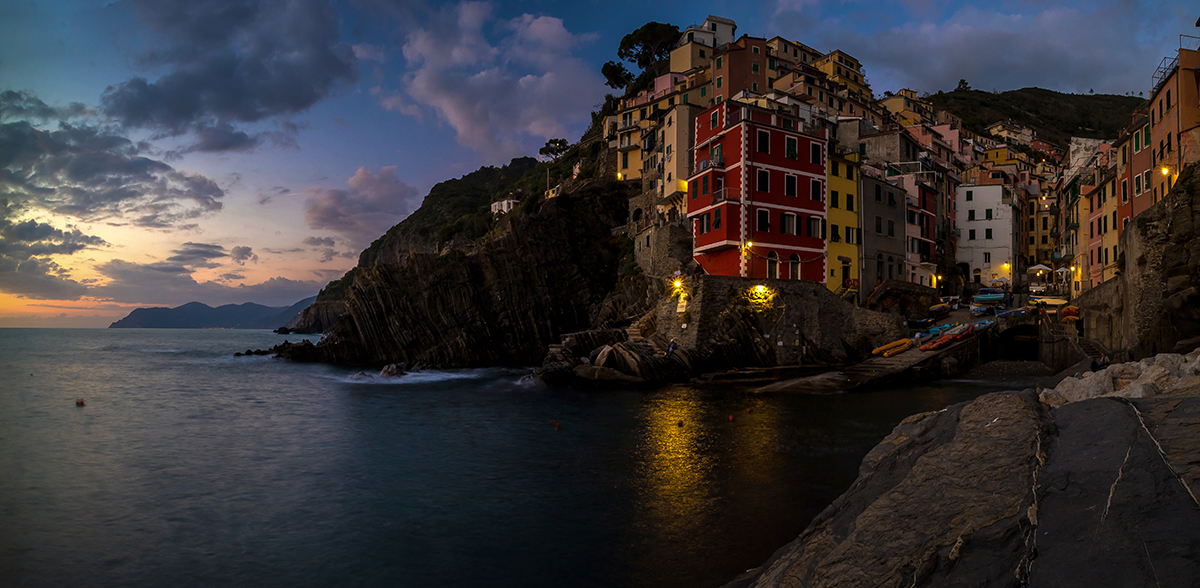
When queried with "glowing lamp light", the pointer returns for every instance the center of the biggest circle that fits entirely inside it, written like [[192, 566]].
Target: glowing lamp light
[[619, 177], [678, 283], [1166, 171], [760, 288], [749, 244]]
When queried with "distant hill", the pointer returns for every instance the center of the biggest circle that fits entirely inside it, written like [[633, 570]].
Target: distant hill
[[196, 315], [1055, 116]]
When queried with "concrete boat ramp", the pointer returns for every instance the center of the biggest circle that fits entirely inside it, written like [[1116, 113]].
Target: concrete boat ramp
[[912, 365]]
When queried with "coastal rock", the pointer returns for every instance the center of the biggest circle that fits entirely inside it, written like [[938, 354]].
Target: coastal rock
[[394, 370], [1005, 491], [1155, 374], [603, 374]]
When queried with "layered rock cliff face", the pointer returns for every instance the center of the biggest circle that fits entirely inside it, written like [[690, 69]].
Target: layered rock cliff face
[[1006, 491], [536, 277]]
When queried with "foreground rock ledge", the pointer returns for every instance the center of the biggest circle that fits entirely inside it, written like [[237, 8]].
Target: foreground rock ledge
[[1005, 491]]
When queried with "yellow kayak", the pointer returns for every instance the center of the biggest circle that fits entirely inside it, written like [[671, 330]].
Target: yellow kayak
[[899, 348], [889, 346]]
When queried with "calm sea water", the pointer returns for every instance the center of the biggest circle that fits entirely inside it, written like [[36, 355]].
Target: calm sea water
[[190, 467]]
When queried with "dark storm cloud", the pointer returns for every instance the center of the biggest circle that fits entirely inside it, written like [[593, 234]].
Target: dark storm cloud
[[232, 61], [370, 206], [38, 279], [93, 174], [23, 106], [1060, 47]]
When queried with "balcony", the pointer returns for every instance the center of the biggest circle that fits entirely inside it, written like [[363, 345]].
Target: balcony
[[1055, 232], [714, 162], [722, 195], [1072, 224], [628, 146], [1054, 209]]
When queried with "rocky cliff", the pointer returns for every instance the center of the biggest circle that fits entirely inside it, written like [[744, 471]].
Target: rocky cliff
[[1154, 304], [503, 302], [1008, 491]]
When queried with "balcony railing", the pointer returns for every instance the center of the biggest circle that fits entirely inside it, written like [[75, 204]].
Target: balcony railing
[[713, 162], [1072, 224], [723, 195]]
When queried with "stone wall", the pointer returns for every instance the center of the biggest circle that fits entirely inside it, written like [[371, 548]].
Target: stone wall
[[798, 321], [1153, 305], [905, 298]]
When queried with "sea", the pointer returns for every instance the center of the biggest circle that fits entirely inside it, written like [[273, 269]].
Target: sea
[[188, 466]]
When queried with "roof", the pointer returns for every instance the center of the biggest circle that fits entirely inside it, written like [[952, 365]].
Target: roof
[[721, 20]]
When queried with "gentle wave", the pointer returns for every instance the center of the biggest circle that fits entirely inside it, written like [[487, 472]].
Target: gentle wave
[[421, 377]]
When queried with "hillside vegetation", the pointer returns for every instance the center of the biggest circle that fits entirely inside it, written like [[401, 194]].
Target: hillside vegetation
[[1055, 116]]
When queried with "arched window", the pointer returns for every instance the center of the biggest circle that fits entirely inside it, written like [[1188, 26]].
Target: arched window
[[637, 215], [772, 265], [794, 266], [879, 266]]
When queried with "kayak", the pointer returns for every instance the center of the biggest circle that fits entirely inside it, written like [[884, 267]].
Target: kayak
[[899, 349], [1024, 310], [984, 298], [946, 338], [893, 345], [942, 328]]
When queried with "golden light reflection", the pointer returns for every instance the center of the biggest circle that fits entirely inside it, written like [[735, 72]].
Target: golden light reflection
[[759, 298]]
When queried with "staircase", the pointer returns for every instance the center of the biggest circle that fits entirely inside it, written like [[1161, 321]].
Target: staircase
[[1092, 348]]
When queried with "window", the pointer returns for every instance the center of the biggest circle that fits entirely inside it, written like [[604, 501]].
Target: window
[[790, 148], [835, 169], [878, 193], [971, 235], [773, 265], [850, 202], [703, 91], [1031, 225], [1031, 240], [815, 190], [756, 50], [891, 228], [987, 233], [764, 141], [789, 185], [716, 219], [970, 195], [833, 199], [815, 154], [704, 185], [719, 79], [625, 160], [987, 257], [879, 225], [764, 178], [1137, 184], [849, 173], [764, 220], [712, 123], [1045, 240], [971, 214], [770, 63], [891, 198], [987, 213], [834, 236], [794, 266], [787, 223], [720, 60], [754, 66]]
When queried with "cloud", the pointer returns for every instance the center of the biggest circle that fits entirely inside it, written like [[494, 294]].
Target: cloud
[[24, 106], [372, 204], [503, 97], [25, 268], [172, 285], [369, 52], [194, 255], [231, 62], [241, 255], [1062, 47], [93, 174], [319, 241]]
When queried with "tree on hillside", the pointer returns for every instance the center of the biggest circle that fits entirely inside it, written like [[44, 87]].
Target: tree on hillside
[[554, 148], [615, 75], [649, 44], [963, 86]]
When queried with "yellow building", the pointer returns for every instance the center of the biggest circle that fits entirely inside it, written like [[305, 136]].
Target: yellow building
[[842, 214], [1108, 228], [846, 70], [908, 108]]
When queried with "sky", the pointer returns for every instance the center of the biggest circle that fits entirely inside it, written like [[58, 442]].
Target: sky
[[157, 152]]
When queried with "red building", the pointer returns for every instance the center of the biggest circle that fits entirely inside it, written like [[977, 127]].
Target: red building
[[757, 197]]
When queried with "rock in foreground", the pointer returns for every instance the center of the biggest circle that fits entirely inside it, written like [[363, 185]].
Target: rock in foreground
[[1007, 491]]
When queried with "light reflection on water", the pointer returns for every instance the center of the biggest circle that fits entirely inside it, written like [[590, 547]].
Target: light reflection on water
[[191, 466]]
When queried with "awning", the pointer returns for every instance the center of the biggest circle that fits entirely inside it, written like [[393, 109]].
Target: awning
[[1037, 268]]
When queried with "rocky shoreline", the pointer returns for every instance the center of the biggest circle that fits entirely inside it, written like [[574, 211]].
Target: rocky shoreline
[[1091, 482]]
